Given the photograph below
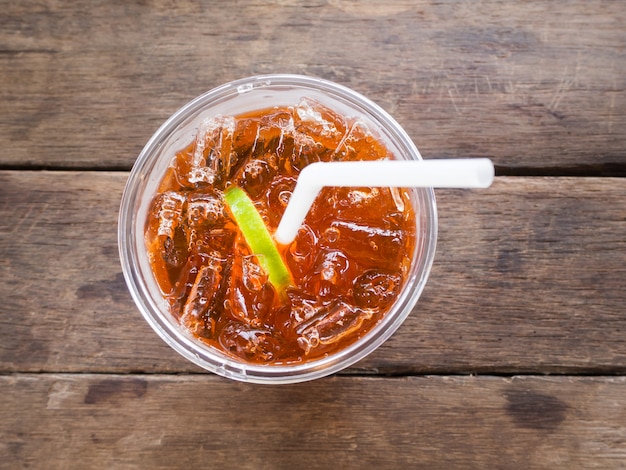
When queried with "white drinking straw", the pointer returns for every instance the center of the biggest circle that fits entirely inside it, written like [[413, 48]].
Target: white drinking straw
[[452, 173]]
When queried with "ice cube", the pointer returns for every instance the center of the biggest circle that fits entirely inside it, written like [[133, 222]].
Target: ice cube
[[299, 151], [264, 137], [309, 340], [376, 289], [371, 206], [246, 134], [253, 275], [170, 206], [205, 209], [299, 308], [207, 223], [359, 143], [165, 238], [277, 196], [320, 123], [213, 154], [253, 344], [363, 197], [182, 284], [329, 273], [250, 295], [330, 325], [255, 176], [369, 245], [214, 239], [331, 266], [298, 258], [167, 258], [274, 129], [206, 289], [174, 250]]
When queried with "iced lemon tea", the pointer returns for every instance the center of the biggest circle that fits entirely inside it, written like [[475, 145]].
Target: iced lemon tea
[[346, 267]]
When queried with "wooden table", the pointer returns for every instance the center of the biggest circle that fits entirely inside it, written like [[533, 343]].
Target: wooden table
[[515, 356]]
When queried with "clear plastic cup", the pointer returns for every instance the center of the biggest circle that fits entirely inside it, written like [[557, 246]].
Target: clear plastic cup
[[245, 95]]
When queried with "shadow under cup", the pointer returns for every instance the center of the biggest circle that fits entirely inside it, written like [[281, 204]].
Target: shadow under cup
[[234, 98]]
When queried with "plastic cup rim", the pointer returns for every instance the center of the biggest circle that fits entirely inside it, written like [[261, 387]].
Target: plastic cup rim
[[219, 363]]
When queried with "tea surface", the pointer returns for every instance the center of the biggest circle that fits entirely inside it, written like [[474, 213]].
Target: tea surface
[[348, 262]]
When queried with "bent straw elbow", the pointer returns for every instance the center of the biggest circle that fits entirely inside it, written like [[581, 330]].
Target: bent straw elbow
[[301, 200]]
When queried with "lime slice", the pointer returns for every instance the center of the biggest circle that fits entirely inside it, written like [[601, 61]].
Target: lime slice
[[257, 237]]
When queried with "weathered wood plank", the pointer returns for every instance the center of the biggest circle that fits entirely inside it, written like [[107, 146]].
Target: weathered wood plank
[[144, 421], [532, 85], [529, 276]]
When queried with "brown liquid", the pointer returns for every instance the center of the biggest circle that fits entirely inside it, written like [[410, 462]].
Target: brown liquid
[[348, 262]]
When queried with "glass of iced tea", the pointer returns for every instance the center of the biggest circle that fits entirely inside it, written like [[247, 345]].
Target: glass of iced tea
[[316, 305]]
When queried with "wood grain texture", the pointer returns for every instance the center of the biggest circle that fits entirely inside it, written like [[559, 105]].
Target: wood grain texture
[[537, 86], [529, 277], [144, 421]]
